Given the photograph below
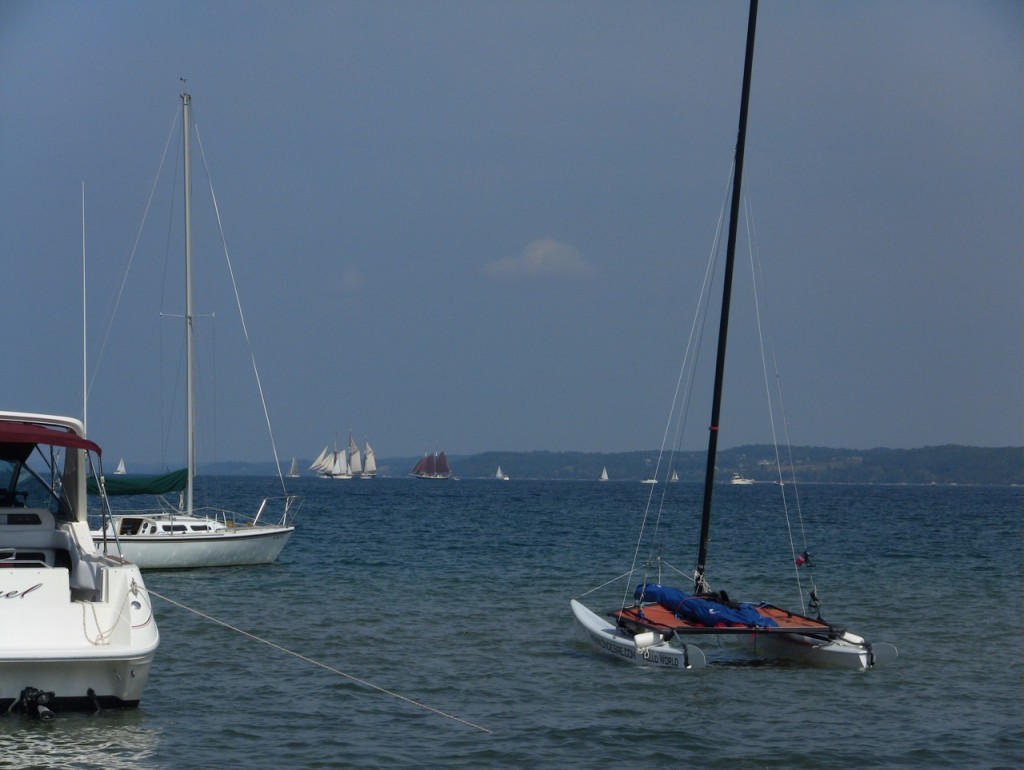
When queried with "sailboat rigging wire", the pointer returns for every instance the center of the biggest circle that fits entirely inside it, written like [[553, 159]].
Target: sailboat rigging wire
[[687, 372], [324, 666], [134, 251], [768, 350], [606, 583], [241, 315]]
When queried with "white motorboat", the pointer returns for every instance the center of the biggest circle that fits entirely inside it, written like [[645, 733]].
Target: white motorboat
[[78, 625]]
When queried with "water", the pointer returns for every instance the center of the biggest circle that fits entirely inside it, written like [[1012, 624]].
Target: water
[[456, 595]]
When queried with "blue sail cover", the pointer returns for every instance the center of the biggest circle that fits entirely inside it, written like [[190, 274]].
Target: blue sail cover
[[700, 610]]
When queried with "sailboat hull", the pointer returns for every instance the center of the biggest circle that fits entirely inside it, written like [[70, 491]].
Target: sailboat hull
[[621, 644], [790, 637], [227, 548], [835, 653]]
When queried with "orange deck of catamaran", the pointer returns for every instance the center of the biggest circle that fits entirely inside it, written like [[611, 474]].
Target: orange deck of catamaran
[[655, 617]]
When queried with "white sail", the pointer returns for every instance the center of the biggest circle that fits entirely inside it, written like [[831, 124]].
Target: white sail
[[339, 468], [369, 462], [321, 464], [120, 468], [604, 475], [500, 475], [355, 464], [293, 472]]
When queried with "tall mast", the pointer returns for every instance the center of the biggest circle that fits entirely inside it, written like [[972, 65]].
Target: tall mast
[[85, 348], [190, 438], [700, 585]]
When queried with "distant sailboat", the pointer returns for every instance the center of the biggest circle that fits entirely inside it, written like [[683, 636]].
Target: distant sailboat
[[355, 461], [433, 467], [120, 471], [293, 472], [674, 478], [369, 462], [500, 475], [331, 464], [604, 475]]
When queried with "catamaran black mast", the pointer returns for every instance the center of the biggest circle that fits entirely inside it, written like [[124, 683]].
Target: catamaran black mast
[[700, 585]]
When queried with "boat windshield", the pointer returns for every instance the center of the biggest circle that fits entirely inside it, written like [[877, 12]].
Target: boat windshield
[[22, 487]]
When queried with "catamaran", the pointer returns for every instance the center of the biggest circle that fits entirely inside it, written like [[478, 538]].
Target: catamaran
[[660, 624]]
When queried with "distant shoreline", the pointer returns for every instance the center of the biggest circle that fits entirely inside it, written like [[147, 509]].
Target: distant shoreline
[[938, 465]]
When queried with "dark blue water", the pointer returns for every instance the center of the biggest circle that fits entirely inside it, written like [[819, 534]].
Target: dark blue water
[[456, 595]]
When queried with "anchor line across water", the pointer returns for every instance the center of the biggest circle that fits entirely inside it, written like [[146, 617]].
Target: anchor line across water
[[333, 670]]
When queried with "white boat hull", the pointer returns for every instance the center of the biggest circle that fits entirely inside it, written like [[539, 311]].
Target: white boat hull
[[228, 548], [847, 651], [838, 653], [89, 654], [621, 644]]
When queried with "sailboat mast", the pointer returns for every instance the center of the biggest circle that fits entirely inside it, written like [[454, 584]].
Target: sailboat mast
[[700, 585], [190, 438], [85, 343]]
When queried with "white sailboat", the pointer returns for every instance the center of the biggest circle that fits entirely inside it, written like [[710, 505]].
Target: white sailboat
[[500, 475], [183, 536], [369, 462], [120, 470], [78, 625], [293, 470], [604, 475], [659, 625], [332, 464], [355, 461]]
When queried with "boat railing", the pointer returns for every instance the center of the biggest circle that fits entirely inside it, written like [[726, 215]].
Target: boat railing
[[288, 505]]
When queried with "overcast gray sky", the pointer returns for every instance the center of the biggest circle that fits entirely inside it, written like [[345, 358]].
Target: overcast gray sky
[[481, 225]]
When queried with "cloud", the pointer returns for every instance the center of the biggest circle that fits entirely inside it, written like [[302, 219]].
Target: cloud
[[542, 257], [350, 281]]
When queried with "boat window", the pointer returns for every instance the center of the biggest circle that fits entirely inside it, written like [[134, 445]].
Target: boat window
[[22, 487], [130, 526]]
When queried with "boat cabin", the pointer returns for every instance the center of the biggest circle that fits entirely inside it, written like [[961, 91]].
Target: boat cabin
[[35, 523], [168, 524]]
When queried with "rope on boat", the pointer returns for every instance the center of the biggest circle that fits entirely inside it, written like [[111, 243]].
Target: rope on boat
[[333, 670]]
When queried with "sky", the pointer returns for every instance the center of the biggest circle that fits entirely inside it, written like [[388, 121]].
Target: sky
[[478, 226]]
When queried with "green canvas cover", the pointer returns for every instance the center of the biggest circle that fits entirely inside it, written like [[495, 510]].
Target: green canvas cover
[[117, 486]]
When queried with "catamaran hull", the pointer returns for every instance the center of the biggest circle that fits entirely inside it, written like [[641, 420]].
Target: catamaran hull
[[839, 652], [621, 644], [233, 547]]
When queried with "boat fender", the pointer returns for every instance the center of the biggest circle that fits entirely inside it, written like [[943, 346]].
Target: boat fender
[[95, 701], [646, 639]]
